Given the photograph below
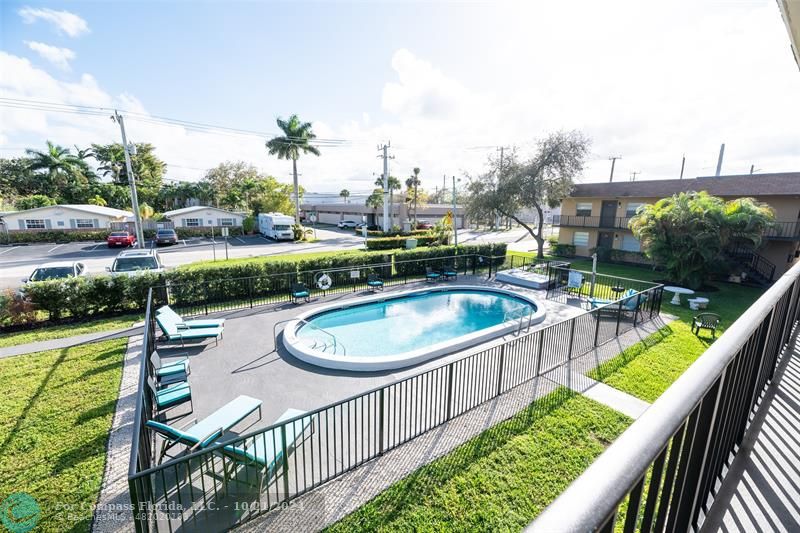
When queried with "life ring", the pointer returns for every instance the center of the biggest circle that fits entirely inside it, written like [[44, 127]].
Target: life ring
[[324, 282]]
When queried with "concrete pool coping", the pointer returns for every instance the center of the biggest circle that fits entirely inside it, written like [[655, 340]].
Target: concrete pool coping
[[300, 349]]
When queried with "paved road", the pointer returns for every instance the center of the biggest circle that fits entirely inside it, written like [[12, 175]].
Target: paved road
[[17, 262]]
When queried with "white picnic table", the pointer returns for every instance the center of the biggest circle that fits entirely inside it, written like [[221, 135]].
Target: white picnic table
[[677, 291]]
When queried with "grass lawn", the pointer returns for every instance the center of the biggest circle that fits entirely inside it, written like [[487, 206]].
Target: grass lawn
[[501, 479], [55, 416], [68, 330], [647, 369]]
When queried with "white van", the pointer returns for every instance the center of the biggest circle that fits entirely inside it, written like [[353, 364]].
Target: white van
[[276, 226]]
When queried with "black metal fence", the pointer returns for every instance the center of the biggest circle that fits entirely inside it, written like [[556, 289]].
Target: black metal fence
[[663, 473], [211, 489]]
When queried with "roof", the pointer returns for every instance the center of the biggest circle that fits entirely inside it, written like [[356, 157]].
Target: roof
[[58, 264], [192, 209], [137, 252], [777, 184], [86, 208]]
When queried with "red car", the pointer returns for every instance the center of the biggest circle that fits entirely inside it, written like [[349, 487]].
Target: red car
[[120, 238]]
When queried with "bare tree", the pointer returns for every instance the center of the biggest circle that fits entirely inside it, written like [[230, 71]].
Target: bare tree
[[535, 183]]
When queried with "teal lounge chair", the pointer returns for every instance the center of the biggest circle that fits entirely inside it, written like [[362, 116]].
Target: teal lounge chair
[[375, 282], [172, 332], [195, 435], [300, 292], [630, 302], [172, 371], [171, 395], [191, 324], [264, 451], [449, 272], [431, 275]]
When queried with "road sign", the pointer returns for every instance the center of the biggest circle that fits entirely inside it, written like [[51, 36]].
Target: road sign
[[225, 232]]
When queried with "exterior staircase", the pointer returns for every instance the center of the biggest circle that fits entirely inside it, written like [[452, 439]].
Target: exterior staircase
[[760, 270]]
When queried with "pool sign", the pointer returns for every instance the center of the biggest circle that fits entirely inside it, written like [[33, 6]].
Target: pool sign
[[355, 274]]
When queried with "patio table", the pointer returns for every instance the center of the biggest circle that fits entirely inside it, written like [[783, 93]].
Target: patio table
[[677, 291]]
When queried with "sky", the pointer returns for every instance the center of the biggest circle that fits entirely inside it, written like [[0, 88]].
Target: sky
[[445, 83]]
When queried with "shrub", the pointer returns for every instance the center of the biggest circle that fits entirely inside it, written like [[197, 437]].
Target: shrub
[[249, 224], [603, 253], [552, 240], [14, 309], [56, 236], [564, 250], [388, 243]]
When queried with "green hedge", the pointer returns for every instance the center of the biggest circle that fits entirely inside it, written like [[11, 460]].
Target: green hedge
[[564, 250], [389, 243], [100, 235], [105, 295], [379, 233]]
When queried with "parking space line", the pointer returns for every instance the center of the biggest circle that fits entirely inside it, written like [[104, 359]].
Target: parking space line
[[10, 249], [94, 247], [240, 240], [54, 248]]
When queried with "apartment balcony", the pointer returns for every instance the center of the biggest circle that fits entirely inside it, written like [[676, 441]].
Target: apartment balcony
[[577, 221], [784, 231]]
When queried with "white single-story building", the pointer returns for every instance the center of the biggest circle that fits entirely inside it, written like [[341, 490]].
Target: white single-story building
[[334, 212], [203, 216], [66, 217]]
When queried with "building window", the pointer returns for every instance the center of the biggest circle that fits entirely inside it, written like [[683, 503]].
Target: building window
[[84, 223], [226, 222], [192, 222], [583, 209], [631, 244], [580, 238], [632, 207], [60, 223], [35, 223]]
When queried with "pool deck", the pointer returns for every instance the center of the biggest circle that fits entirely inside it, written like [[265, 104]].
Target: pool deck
[[247, 362]]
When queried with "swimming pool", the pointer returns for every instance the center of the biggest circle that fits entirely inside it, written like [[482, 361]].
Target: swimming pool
[[397, 330]]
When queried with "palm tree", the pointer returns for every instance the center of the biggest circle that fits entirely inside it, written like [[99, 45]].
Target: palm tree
[[63, 168], [344, 193], [413, 181], [394, 185], [294, 141], [97, 200]]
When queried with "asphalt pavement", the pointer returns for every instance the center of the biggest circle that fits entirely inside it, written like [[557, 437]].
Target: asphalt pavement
[[18, 262]]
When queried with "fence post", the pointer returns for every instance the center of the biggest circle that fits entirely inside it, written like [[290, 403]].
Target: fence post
[[636, 312], [380, 423], [596, 326], [285, 465], [619, 318], [539, 355], [205, 302], [474, 261], [250, 290], [571, 337], [500, 368], [449, 391]]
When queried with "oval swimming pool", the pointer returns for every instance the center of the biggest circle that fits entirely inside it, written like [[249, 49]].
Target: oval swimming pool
[[397, 330]]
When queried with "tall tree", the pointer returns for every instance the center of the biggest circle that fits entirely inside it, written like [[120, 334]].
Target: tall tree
[[62, 169], [375, 200], [543, 180], [689, 233], [344, 194], [412, 184], [394, 185], [296, 140], [148, 169]]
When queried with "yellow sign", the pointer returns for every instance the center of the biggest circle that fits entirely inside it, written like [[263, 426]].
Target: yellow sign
[[448, 218]]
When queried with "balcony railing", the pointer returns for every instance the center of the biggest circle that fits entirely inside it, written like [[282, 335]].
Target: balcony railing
[[663, 472], [591, 222], [778, 231]]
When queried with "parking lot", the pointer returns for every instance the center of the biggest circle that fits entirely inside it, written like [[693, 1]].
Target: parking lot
[[18, 262]]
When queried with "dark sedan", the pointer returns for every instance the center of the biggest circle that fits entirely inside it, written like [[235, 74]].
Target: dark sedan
[[166, 236]]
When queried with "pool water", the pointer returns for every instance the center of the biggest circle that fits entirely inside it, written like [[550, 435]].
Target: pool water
[[412, 322]]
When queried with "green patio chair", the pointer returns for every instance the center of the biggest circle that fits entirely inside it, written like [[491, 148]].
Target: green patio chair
[[191, 324], [375, 282], [709, 321], [264, 451], [195, 435], [172, 332], [449, 272], [300, 292], [170, 396], [172, 371], [431, 274]]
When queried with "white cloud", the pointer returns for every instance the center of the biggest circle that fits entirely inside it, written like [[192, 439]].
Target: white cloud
[[64, 21], [59, 57]]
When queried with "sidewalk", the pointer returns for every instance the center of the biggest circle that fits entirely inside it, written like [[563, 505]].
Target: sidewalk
[[67, 342]]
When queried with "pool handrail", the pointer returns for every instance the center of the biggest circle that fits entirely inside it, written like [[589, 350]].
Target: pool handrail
[[336, 341]]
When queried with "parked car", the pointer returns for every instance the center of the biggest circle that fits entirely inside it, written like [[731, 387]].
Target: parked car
[[120, 238], [424, 224], [347, 224], [132, 262], [166, 236], [59, 270]]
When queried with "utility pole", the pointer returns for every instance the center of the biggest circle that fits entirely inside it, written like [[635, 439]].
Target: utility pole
[[613, 160], [496, 216], [719, 160], [683, 165], [131, 181], [634, 174], [386, 206], [455, 225], [752, 167]]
